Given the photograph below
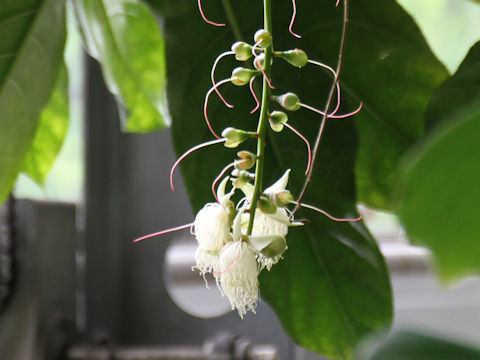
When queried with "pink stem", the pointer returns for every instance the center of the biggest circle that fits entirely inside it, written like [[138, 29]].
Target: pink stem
[[293, 20], [328, 215], [163, 232], [206, 104], [212, 76], [306, 142], [261, 67], [254, 96], [189, 151], [204, 17], [218, 178]]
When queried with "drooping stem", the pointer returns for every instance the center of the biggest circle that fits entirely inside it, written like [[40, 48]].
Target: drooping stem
[[327, 106], [263, 120]]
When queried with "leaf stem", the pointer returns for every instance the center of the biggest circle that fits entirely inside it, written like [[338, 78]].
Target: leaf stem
[[327, 106], [263, 120]]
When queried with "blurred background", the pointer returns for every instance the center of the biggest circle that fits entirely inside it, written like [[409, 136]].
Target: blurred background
[[136, 297]]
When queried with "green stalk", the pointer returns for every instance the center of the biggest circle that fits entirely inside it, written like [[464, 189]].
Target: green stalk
[[263, 121]]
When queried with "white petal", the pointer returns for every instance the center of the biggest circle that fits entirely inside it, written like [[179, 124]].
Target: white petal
[[211, 227], [280, 184]]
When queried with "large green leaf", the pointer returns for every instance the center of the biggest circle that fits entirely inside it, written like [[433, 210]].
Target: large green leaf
[[124, 37], [404, 345], [439, 192], [33, 36], [457, 91], [332, 287], [50, 132]]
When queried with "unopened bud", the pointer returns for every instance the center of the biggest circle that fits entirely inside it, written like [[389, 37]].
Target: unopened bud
[[242, 51], [246, 161], [270, 246], [295, 57], [241, 76], [235, 137], [288, 101], [277, 119], [263, 38], [281, 198], [266, 205]]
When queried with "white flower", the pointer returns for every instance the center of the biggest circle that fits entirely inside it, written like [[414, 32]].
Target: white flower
[[212, 231], [239, 276]]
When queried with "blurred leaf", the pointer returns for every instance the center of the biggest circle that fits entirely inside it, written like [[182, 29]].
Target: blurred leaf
[[124, 37], [332, 287], [404, 345], [457, 91], [33, 36], [50, 132], [439, 192]]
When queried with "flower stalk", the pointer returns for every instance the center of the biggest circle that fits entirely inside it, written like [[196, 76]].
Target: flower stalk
[[263, 120]]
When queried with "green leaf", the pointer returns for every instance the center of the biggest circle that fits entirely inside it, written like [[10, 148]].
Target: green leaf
[[33, 37], [438, 193], [50, 132], [332, 286], [457, 91], [124, 37], [404, 345]]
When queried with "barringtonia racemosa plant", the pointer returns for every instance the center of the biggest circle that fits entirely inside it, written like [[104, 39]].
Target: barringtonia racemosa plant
[[237, 239]]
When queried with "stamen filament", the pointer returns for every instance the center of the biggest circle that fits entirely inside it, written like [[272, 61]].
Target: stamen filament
[[337, 85], [189, 151], [227, 269], [224, 170], [163, 232], [311, 207], [254, 47], [212, 75], [254, 96], [206, 104], [205, 18], [306, 142], [338, 2], [331, 115], [293, 20]]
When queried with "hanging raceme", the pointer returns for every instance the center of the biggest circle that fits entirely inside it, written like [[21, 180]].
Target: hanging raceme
[[236, 241]]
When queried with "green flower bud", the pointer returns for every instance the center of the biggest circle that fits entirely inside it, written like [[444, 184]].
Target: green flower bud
[[277, 119], [242, 177], [241, 76], [295, 57], [281, 198], [266, 205], [263, 38], [246, 161], [288, 101], [235, 137], [242, 51]]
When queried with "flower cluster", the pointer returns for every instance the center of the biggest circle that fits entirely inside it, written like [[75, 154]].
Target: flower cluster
[[225, 250]]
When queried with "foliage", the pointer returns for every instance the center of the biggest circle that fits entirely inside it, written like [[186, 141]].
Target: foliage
[[332, 287]]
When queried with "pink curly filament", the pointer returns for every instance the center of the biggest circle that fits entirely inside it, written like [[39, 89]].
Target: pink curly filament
[[254, 96], [227, 269], [337, 84], [206, 104], [204, 17], [327, 214], [331, 114], [163, 232], [306, 142], [254, 47], [218, 178], [293, 20], [212, 76], [189, 151], [338, 2]]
